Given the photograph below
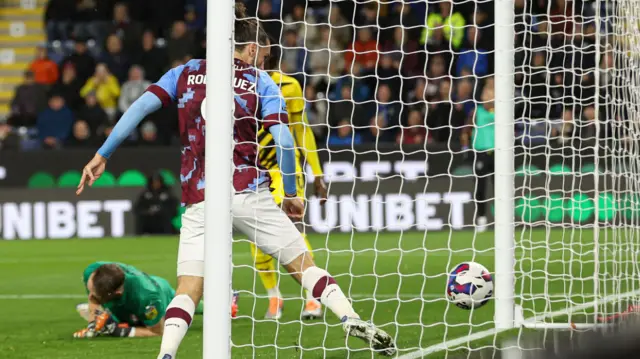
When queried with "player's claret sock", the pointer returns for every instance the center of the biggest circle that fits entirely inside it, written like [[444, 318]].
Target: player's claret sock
[[325, 289], [176, 323]]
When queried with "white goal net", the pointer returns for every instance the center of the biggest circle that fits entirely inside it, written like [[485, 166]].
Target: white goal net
[[406, 101]]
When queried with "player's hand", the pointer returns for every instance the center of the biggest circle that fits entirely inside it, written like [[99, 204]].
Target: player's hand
[[293, 207], [321, 190], [104, 323], [88, 332], [91, 172]]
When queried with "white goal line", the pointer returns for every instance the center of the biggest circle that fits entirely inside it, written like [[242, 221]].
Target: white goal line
[[456, 343]]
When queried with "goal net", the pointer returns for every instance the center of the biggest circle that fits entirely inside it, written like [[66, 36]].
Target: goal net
[[417, 113]]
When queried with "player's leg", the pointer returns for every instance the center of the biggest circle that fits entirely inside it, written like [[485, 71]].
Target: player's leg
[[256, 215], [312, 307], [180, 311], [265, 265], [480, 195]]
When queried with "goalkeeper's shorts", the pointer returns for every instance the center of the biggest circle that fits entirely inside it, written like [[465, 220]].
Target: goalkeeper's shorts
[[257, 216]]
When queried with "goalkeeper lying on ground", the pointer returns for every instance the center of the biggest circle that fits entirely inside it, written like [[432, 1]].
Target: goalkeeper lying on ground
[[305, 145], [123, 301]]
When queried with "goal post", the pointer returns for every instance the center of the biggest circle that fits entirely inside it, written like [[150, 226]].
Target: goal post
[[561, 214], [218, 110], [504, 187]]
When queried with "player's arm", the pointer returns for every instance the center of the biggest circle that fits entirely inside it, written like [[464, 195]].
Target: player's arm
[[305, 138], [158, 94], [274, 118], [465, 136]]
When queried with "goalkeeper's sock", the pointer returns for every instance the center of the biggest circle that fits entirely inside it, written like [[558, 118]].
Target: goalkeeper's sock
[[176, 323], [325, 289]]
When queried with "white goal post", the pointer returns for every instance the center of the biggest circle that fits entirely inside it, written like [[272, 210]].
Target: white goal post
[[563, 208]]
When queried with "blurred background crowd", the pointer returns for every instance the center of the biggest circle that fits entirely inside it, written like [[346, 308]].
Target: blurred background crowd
[[396, 72]]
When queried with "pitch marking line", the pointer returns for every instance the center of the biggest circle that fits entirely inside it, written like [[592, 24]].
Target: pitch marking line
[[455, 343]]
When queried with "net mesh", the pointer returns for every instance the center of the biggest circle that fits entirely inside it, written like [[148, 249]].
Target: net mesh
[[402, 114]]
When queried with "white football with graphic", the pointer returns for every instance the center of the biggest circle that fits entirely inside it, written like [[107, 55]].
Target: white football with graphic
[[470, 285]]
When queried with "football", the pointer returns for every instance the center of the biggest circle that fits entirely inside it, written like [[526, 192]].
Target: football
[[469, 285]]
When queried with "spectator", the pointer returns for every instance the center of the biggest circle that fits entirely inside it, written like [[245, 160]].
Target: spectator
[[417, 95], [340, 29], [450, 22], [415, 133], [181, 42], [325, 57], [363, 51], [128, 31], [106, 88], [54, 123], [149, 134], [444, 119], [588, 128], [384, 117], [9, 140], [28, 100], [368, 16], [293, 54], [81, 60], [404, 52], [305, 26], [95, 117], [151, 58], [361, 91], [155, 208], [90, 16], [535, 88], [133, 88], [344, 135], [389, 74], [436, 73], [463, 99], [565, 130], [115, 59], [57, 17], [69, 87], [81, 136], [270, 23], [400, 17], [343, 108], [45, 71], [472, 56]]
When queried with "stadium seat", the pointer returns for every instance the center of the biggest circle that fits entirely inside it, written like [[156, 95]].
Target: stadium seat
[[69, 179], [41, 180], [132, 178], [169, 178], [106, 180]]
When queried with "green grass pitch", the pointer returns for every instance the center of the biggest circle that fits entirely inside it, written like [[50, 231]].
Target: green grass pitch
[[396, 280]]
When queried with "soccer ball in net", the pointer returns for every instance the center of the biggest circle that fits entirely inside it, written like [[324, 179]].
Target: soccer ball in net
[[469, 285]]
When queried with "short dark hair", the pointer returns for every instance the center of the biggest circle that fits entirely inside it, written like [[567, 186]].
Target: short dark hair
[[107, 279], [247, 30], [273, 61]]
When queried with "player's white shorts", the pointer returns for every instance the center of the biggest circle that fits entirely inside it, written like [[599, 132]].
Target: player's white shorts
[[257, 216]]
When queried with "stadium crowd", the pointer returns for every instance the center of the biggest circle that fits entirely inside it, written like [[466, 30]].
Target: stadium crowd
[[375, 72]]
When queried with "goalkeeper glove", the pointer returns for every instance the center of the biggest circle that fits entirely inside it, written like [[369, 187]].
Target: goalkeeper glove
[[105, 324]]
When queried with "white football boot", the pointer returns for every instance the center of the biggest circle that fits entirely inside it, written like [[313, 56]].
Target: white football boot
[[379, 341]]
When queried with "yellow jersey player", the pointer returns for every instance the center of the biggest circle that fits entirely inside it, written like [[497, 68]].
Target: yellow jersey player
[[305, 146]]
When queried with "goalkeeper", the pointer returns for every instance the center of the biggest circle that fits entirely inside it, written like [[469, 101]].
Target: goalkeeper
[[305, 145], [123, 302]]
